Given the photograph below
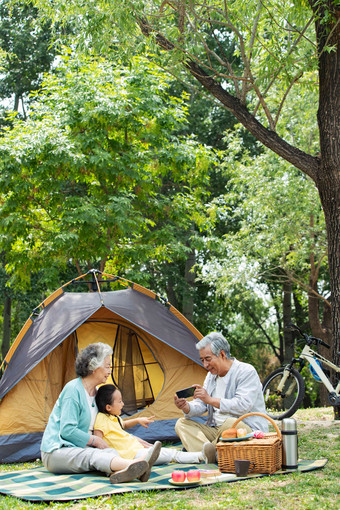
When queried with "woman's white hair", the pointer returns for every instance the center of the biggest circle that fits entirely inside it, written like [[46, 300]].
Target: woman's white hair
[[91, 358]]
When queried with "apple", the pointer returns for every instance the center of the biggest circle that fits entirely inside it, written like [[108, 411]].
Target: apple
[[178, 476], [258, 434], [193, 475]]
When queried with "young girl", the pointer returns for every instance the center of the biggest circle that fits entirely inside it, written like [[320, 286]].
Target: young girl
[[110, 427]]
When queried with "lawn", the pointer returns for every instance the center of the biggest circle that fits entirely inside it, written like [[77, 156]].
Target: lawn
[[319, 437]]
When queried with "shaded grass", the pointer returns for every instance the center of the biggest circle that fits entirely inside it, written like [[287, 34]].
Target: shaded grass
[[319, 437]]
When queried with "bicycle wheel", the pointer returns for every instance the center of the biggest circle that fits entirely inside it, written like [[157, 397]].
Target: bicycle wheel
[[284, 403]]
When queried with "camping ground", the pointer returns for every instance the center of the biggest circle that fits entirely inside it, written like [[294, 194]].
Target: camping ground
[[319, 437]]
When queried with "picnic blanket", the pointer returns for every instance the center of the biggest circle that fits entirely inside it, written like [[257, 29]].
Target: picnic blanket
[[38, 484]]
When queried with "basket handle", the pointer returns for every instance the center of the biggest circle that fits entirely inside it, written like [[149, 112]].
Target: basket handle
[[263, 416]]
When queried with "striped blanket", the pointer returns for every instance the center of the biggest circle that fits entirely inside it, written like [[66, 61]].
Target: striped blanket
[[38, 484]]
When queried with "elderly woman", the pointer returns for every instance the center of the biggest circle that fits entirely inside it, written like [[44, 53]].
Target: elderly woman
[[68, 444], [231, 388]]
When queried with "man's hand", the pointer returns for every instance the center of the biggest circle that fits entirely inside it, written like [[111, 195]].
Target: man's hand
[[182, 404], [202, 394]]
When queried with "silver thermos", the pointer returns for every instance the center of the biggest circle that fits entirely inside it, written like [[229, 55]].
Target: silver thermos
[[289, 444]]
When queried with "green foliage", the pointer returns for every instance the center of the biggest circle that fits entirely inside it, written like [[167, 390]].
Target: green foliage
[[26, 50], [257, 51], [261, 53], [282, 216], [273, 224], [95, 173]]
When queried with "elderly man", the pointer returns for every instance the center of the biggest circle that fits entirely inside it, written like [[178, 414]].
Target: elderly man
[[231, 388]]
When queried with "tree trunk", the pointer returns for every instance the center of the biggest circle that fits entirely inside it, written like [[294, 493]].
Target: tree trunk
[[188, 294], [171, 294], [16, 102], [6, 334], [328, 179], [288, 339], [299, 315]]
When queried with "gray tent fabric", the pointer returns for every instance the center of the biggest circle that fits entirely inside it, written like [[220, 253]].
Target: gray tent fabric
[[71, 309], [154, 318], [54, 323]]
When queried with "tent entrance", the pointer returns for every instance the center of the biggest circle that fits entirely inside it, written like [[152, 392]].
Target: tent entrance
[[135, 370]]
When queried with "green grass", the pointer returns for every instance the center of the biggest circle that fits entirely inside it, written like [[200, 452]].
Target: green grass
[[319, 437]]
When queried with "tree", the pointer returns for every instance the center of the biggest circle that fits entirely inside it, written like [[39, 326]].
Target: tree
[[280, 241], [280, 44], [95, 174], [275, 43], [276, 48], [27, 52]]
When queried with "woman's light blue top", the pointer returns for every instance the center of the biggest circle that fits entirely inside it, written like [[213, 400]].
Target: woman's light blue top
[[69, 422]]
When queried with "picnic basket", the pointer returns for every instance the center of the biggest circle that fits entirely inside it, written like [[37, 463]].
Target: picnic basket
[[265, 453]]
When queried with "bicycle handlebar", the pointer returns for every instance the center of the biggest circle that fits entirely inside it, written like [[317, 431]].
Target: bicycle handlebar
[[319, 341], [309, 339]]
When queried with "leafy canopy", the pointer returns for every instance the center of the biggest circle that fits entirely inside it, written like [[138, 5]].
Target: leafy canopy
[[272, 43], [84, 177]]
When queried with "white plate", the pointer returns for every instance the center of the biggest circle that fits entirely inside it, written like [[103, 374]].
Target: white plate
[[244, 438], [185, 483]]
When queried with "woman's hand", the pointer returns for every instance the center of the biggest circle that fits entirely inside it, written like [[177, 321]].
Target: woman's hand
[[97, 441], [100, 443]]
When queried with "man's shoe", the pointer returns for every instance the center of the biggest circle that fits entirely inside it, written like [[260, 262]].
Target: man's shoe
[[135, 470], [209, 453], [151, 458]]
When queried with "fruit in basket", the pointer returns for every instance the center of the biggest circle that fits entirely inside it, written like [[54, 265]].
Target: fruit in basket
[[241, 432], [193, 475], [229, 433], [258, 434], [178, 476]]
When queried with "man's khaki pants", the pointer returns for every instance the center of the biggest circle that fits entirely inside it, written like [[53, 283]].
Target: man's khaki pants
[[194, 434]]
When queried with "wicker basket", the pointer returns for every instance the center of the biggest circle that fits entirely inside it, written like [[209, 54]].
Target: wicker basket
[[265, 453]]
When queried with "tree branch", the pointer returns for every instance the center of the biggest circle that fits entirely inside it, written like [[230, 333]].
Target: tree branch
[[301, 160], [260, 327]]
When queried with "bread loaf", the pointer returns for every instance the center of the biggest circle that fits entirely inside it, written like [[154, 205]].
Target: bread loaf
[[229, 433]]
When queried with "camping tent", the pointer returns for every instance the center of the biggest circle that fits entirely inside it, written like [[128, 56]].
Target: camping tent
[[154, 355]]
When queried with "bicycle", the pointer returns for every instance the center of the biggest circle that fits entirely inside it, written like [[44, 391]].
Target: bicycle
[[284, 388]]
